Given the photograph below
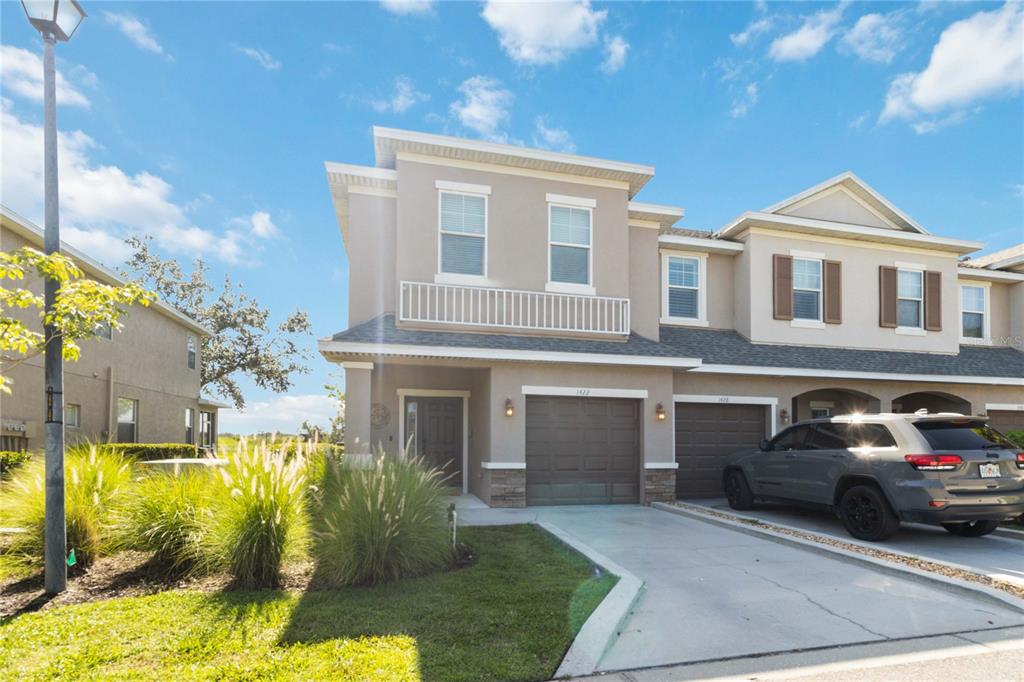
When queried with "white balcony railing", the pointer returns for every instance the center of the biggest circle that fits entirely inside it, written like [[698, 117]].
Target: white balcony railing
[[512, 309]]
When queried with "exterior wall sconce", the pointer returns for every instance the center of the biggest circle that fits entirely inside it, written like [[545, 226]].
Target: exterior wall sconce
[[784, 416], [509, 409], [659, 412]]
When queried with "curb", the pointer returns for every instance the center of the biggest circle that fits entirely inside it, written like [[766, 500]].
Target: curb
[[967, 588], [1009, 533], [603, 625]]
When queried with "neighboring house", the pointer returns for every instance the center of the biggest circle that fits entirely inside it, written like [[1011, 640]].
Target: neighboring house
[[528, 325], [137, 385]]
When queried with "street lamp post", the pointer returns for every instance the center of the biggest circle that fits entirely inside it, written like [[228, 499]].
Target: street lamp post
[[55, 20]]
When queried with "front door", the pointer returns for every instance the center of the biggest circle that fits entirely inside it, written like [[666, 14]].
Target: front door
[[434, 426]]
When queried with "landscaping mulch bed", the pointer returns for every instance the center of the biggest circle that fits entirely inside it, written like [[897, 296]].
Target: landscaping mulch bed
[[893, 557]]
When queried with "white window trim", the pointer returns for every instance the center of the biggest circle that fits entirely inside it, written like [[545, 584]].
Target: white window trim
[[820, 260], [460, 279], [571, 287], [702, 282], [462, 187], [78, 414], [986, 330], [771, 402], [439, 393], [441, 233], [585, 391], [574, 202], [910, 331]]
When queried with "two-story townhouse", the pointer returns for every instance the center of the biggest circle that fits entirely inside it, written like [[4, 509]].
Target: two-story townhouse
[[520, 319], [141, 384]]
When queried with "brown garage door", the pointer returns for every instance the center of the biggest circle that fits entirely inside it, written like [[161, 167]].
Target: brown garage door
[[582, 451], [1006, 420], [706, 434]]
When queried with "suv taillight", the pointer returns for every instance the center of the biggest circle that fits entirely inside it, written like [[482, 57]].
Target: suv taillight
[[1020, 460], [937, 462]]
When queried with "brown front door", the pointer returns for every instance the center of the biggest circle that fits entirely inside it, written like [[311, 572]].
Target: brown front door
[[437, 426], [582, 451], [706, 434]]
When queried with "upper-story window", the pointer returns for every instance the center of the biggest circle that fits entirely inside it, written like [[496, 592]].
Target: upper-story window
[[807, 300], [973, 312], [463, 228], [910, 298], [104, 331], [569, 242], [683, 292], [190, 352]]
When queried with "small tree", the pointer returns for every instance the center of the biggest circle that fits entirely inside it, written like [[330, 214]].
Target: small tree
[[243, 342], [337, 434], [83, 306]]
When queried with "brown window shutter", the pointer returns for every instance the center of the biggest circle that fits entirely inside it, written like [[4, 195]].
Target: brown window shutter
[[833, 286], [887, 296], [782, 286], [933, 301]]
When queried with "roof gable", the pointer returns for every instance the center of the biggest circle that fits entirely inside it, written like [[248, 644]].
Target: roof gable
[[846, 199]]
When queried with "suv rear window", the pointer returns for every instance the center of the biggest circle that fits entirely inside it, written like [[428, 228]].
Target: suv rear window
[[870, 436], [962, 436]]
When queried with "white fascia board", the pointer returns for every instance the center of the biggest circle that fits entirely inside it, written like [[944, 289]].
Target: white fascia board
[[700, 244], [842, 374], [827, 227], [659, 213], [586, 392], [989, 275], [726, 399], [328, 347], [361, 171]]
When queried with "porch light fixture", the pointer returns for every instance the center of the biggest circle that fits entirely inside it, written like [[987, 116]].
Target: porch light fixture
[[57, 18], [659, 412], [509, 410], [784, 416]]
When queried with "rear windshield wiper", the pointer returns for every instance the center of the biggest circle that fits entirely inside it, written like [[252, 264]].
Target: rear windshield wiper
[[994, 446]]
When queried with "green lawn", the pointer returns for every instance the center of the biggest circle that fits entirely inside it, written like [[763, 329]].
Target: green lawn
[[509, 616]]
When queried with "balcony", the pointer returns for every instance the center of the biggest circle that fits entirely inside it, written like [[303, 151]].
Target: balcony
[[469, 306]]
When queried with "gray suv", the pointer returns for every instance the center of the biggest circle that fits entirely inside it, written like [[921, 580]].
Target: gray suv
[[877, 470]]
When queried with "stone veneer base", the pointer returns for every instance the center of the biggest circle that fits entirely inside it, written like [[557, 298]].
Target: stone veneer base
[[659, 485], [508, 487]]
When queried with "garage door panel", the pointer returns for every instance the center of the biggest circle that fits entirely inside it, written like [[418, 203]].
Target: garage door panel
[[582, 451], [1006, 420], [706, 434]]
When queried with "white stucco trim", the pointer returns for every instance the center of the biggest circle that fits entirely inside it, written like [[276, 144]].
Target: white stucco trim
[[986, 314], [702, 289], [661, 465], [586, 391], [438, 393], [845, 374], [905, 265], [807, 324], [463, 187], [565, 200], [807, 255], [503, 465], [329, 347], [462, 280], [567, 288], [1005, 407], [910, 331], [357, 365], [772, 402]]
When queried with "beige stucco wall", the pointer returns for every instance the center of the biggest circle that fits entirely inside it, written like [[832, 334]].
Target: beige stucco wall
[[1015, 301], [371, 248], [644, 282], [860, 327], [839, 207], [741, 312]]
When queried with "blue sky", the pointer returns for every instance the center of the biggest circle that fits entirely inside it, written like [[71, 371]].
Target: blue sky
[[206, 124]]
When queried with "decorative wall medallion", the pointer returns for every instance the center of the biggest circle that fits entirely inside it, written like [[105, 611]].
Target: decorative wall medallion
[[380, 415]]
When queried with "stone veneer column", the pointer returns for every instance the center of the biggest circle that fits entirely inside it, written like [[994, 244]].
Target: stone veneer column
[[659, 485], [357, 407], [508, 487]]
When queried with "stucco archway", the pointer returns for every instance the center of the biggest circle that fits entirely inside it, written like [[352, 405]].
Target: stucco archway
[[933, 401], [828, 402]]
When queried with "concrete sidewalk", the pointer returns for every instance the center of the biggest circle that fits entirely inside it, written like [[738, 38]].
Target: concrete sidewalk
[[713, 593], [996, 556]]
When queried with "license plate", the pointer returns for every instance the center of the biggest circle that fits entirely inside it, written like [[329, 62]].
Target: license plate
[[989, 470]]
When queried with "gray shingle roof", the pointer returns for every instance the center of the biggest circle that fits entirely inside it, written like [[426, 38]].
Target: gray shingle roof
[[714, 347]]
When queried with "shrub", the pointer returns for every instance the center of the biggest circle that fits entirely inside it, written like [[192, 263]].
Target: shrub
[[260, 519], [148, 451], [94, 481], [10, 460], [1017, 437], [381, 523], [170, 516]]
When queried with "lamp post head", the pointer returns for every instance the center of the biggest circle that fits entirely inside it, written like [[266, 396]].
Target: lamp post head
[[57, 18]]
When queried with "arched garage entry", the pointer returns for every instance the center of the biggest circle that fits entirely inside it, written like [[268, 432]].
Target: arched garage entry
[[828, 402], [933, 401]]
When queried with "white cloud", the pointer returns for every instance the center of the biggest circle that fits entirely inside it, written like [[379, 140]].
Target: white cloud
[[101, 203], [558, 139], [975, 58], [543, 32], [615, 50], [807, 41], [1018, 189], [753, 30], [742, 106], [261, 57], [21, 73], [284, 414], [874, 38], [407, 6], [859, 122], [404, 97], [484, 107], [135, 31], [262, 226]]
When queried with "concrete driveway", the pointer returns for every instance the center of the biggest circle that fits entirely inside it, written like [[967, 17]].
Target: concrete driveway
[[714, 593], [999, 556]]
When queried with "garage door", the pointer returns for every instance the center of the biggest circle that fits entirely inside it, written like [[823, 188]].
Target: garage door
[[1006, 420], [582, 451], [706, 434]]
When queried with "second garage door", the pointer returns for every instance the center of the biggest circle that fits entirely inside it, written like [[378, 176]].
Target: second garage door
[[706, 434], [582, 451], [1006, 420]]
